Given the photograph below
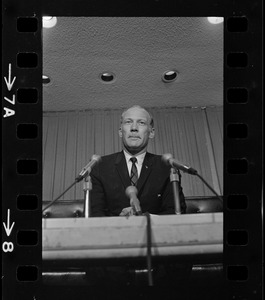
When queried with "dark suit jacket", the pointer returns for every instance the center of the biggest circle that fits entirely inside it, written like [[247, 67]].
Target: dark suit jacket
[[110, 178]]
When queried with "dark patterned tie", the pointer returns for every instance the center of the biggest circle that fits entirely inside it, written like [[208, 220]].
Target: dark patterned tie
[[134, 173]]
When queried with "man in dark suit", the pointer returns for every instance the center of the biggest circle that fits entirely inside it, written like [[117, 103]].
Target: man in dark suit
[[133, 166], [151, 176]]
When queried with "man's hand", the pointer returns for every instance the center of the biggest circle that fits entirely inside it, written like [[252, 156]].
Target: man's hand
[[128, 211]]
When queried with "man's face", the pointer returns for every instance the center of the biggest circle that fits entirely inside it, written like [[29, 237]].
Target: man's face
[[136, 130]]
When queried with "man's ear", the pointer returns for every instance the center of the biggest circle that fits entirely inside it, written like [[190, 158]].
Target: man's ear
[[152, 133], [120, 133]]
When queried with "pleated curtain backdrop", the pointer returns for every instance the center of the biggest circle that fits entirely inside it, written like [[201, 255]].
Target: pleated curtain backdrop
[[193, 135]]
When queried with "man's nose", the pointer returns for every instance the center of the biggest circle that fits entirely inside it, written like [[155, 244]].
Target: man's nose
[[134, 126]]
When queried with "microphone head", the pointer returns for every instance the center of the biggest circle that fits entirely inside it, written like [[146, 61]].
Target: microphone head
[[131, 190], [166, 157], [96, 157]]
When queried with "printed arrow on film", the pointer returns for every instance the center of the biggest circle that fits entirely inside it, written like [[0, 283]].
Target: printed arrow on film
[[7, 227], [9, 83]]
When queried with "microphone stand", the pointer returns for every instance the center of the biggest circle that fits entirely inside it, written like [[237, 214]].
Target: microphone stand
[[53, 201], [174, 179], [87, 187], [204, 181], [78, 179]]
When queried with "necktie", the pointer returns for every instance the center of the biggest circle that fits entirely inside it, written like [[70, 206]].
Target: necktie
[[134, 173]]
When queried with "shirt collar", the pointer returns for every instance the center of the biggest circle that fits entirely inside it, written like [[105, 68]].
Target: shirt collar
[[140, 157]]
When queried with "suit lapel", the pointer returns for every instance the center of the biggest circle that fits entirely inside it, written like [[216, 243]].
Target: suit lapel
[[122, 169], [145, 172]]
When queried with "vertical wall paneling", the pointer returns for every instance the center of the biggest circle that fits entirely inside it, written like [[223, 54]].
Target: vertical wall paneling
[[214, 118]]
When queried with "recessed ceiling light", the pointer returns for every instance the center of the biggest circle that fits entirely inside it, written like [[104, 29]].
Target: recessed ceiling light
[[45, 79], [49, 22], [215, 20], [107, 77], [169, 76]]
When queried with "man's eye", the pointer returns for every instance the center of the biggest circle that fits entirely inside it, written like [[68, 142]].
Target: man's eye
[[128, 122], [142, 123]]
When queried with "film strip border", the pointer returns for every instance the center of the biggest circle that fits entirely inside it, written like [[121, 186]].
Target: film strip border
[[21, 152], [22, 136], [242, 183]]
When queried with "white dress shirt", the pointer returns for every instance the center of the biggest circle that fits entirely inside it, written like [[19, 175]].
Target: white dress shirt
[[139, 163]]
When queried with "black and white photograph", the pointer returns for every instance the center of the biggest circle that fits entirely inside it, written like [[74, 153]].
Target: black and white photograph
[[132, 149], [133, 152]]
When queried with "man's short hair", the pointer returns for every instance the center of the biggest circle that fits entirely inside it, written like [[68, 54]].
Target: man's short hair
[[140, 107]]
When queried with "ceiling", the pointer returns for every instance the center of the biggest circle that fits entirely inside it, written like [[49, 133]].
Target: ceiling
[[138, 51]]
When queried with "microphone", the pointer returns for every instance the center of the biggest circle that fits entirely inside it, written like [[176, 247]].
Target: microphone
[[88, 168], [168, 159], [131, 192]]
